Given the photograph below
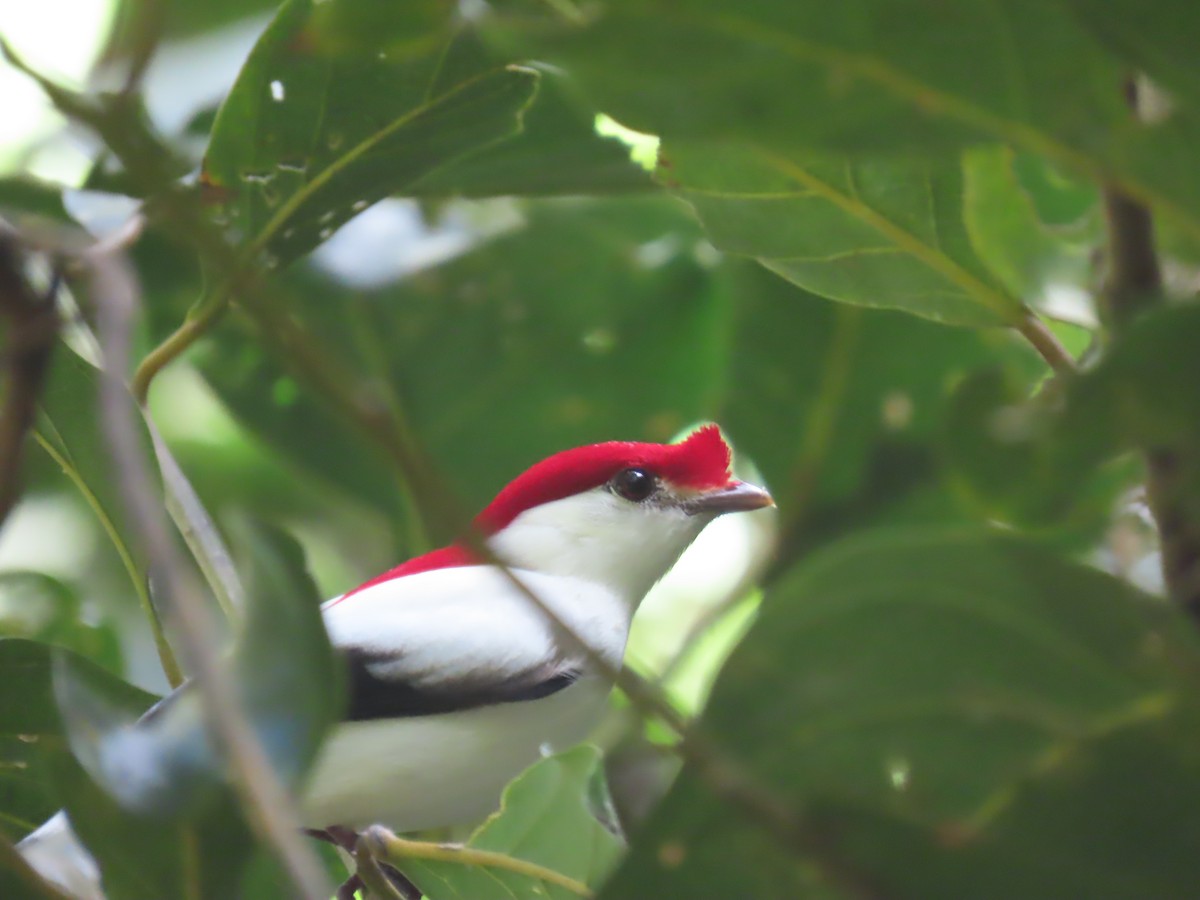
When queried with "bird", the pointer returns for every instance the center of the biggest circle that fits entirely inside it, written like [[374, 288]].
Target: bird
[[456, 679]]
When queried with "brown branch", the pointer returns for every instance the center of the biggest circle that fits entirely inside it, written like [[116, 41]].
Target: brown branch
[[264, 799], [1135, 281], [1135, 285], [32, 329]]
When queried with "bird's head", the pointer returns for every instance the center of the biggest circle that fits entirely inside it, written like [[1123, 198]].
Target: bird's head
[[618, 513]]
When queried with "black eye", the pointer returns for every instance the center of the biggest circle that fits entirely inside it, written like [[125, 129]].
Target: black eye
[[634, 484]]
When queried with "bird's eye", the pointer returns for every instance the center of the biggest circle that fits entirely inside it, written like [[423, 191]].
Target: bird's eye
[[634, 484]]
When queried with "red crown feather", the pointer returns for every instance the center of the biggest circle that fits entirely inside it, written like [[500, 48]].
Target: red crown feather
[[699, 462]]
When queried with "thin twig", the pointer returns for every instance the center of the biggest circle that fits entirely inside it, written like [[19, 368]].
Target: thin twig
[[267, 805], [392, 849], [32, 329]]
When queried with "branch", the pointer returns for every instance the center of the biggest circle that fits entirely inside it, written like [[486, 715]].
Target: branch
[[378, 885], [32, 329], [264, 799], [386, 846], [1135, 282], [1046, 344], [1135, 285]]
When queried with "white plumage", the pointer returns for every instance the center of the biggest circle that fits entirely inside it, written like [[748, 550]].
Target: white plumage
[[464, 626]]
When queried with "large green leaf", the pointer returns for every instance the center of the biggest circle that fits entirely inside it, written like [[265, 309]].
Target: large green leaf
[[43, 608], [23, 196], [1050, 459], [68, 429], [151, 785], [31, 730], [1003, 705], [544, 819], [875, 233], [840, 406], [1028, 254], [1013, 460], [875, 76], [311, 134], [557, 152], [282, 669], [143, 855]]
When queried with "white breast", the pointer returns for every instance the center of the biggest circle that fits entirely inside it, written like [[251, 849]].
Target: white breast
[[445, 626], [432, 771]]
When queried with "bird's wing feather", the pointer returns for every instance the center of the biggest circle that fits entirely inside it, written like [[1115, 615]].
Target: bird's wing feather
[[463, 637]]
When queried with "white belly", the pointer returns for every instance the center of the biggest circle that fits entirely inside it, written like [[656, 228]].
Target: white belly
[[431, 771]]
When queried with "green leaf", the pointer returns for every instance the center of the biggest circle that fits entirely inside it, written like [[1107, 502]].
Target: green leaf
[[68, 429], [841, 407], [1004, 221], [874, 233], [869, 77], [307, 137], [983, 692], [152, 857], [22, 196], [1058, 457], [1017, 461], [1142, 393], [557, 152], [289, 679], [544, 819], [152, 785], [31, 730], [1045, 838], [163, 764], [39, 607]]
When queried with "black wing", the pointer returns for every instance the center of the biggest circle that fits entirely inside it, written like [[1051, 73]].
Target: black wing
[[372, 696]]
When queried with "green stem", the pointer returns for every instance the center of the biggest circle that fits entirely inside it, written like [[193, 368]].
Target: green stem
[[377, 885], [165, 655], [395, 850], [1046, 344], [205, 316]]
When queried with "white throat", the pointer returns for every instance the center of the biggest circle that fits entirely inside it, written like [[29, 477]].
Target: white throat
[[599, 537]]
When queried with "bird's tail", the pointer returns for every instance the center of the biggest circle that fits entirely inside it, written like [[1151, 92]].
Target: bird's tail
[[55, 853]]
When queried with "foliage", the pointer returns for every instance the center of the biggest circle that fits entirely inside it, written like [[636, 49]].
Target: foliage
[[897, 250]]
